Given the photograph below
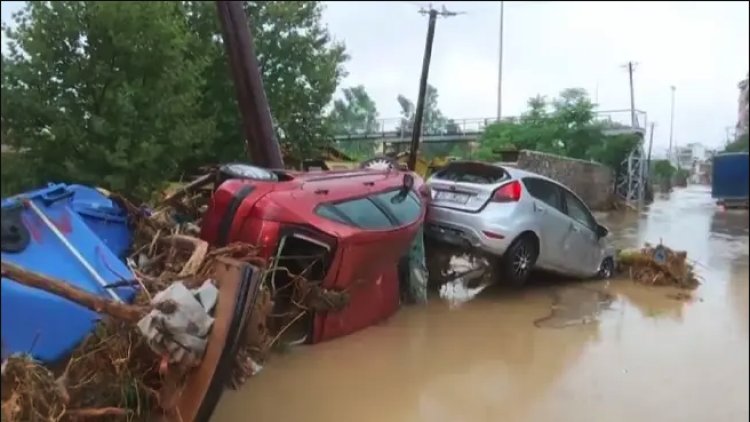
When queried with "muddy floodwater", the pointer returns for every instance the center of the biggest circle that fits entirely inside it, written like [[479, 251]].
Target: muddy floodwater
[[554, 351]]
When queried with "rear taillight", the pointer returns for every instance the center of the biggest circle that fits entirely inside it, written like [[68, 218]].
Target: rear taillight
[[425, 192], [508, 193]]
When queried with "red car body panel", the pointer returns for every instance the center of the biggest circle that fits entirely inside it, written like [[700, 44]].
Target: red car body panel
[[364, 262]]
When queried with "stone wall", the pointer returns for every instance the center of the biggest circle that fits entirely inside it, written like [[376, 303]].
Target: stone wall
[[592, 182]]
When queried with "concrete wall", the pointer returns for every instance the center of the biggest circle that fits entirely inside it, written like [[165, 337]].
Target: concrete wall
[[593, 182]]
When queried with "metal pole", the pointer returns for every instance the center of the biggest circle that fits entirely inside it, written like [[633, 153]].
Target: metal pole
[[671, 126], [263, 148], [418, 115], [633, 120], [650, 145], [500, 68]]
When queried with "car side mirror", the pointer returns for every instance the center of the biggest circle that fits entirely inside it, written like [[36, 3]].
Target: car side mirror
[[601, 231], [406, 187]]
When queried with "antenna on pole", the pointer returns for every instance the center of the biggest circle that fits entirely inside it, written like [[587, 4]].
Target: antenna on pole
[[419, 113]]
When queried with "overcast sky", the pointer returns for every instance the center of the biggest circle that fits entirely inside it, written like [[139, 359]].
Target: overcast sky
[[700, 47]]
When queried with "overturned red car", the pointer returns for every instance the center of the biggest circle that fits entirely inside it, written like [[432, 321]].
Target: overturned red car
[[346, 228]]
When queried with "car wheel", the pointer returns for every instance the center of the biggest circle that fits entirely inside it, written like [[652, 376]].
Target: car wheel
[[519, 260], [607, 269]]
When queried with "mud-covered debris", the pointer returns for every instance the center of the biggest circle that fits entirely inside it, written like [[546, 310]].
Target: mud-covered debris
[[114, 374], [658, 266]]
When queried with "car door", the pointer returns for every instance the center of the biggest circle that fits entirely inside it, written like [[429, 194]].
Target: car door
[[585, 254], [551, 222]]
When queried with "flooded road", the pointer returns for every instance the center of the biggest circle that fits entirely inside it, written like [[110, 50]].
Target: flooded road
[[572, 351]]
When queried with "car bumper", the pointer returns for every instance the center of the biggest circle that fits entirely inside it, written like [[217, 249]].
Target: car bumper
[[468, 230]]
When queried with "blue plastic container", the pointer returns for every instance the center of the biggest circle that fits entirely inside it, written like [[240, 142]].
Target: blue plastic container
[[105, 217], [39, 323]]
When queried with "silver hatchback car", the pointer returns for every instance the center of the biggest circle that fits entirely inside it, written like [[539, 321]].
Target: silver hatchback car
[[526, 220]]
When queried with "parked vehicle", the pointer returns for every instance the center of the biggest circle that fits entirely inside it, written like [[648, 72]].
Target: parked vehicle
[[729, 182], [348, 229], [520, 220]]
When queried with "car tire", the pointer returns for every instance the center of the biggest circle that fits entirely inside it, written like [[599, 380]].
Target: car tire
[[606, 269], [519, 260]]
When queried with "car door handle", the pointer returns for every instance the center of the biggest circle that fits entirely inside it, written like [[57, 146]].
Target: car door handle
[[539, 208], [574, 228]]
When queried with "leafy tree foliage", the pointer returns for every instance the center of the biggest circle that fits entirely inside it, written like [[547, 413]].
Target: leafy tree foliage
[[356, 113], [563, 126], [301, 67], [102, 93], [662, 170], [433, 120], [740, 144], [127, 95]]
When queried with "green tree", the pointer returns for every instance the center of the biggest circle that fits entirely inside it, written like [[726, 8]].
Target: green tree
[[433, 120], [301, 67], [407, 115], [563, 126], [130, 94], [103, 93], [740, 144], [662, 171], [356, 113]]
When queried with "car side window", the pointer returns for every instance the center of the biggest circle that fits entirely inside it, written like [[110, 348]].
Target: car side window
[[578, 211], [362, 212], [544, 191], [406, 211]]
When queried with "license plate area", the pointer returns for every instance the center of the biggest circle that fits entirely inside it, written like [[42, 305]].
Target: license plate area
[[452, 197]]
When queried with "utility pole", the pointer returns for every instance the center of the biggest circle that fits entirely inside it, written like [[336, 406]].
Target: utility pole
[[633, 120], [419, 113], [500, 68], [671, 125], [262, 146], [650, 145]]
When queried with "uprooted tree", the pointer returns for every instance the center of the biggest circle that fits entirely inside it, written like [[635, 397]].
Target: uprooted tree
[[127, 95], [563, 126]]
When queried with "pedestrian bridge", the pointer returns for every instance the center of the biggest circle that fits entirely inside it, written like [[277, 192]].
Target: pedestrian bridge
[[396, 130]]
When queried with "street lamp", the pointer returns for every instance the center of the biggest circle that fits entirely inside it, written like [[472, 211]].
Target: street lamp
[[500, 69], [671, 125]]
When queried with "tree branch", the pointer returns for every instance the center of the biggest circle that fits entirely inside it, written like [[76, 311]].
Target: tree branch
[[125, 312]]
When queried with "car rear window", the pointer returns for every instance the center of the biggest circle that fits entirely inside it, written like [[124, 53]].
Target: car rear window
[[478, 173], [376, 212]]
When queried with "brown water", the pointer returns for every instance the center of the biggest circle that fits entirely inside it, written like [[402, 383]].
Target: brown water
[[555, 351]]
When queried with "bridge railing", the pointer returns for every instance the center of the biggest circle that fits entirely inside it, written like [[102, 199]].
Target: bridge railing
[[401, 128]]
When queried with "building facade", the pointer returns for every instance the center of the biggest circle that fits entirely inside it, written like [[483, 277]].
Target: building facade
[[742, 108]]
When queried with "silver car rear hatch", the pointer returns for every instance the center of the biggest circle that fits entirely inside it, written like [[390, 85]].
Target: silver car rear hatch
[[466, 185]]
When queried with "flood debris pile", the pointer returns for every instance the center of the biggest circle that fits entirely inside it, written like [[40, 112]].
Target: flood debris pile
[[135, 364], [658, 266]]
